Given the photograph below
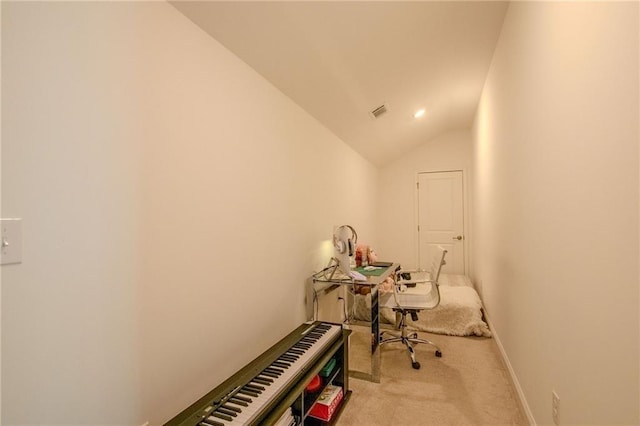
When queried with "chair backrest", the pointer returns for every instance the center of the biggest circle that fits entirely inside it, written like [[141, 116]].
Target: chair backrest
[[430, 298], [437, 262]]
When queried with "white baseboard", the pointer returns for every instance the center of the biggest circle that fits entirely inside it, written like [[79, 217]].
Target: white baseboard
[[512, 374]]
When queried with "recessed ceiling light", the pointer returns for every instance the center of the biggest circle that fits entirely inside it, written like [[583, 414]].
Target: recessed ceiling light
[[419, 113]]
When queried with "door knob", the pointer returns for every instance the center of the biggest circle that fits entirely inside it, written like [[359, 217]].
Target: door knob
[[459, 237]]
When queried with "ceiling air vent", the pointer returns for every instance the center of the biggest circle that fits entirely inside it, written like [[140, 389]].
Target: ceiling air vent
[[379, 111]]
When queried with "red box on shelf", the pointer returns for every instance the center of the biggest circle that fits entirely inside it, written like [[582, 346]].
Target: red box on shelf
[[327, 403]]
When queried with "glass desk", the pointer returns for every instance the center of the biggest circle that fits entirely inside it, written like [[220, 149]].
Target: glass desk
[[364, 351]]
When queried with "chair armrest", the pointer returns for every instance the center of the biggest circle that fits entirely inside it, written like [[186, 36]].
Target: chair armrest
[[403, 271], [405, 282], [413, 280]]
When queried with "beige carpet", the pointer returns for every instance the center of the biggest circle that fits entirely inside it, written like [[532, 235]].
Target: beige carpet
[[469, 385]]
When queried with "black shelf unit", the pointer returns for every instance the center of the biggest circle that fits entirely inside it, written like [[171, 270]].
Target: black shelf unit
[[339, 376]]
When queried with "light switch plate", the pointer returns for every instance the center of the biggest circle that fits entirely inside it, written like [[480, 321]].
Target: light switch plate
[[10, 241]]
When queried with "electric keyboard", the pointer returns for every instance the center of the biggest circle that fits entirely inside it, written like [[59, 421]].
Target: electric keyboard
[[264, 389]]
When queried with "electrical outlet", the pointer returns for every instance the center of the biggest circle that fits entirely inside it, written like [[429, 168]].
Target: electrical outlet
[[555, 406]]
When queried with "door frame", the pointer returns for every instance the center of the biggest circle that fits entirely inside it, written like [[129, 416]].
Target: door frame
[[466, 229]]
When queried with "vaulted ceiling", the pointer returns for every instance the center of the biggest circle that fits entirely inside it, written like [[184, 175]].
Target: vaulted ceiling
[[341, 60]]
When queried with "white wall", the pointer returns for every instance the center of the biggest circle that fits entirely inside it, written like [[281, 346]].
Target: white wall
[[173, 205], [397, 192], [556, 206]]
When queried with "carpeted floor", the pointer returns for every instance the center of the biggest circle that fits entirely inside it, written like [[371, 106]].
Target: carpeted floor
[[469, 385]]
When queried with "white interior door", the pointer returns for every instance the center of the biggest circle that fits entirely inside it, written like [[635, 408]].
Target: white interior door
[[441, 219]]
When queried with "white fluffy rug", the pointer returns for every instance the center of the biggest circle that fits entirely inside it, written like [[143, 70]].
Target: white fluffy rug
[[458, 314]]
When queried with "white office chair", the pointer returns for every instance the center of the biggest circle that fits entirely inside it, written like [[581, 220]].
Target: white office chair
[[412, 294]]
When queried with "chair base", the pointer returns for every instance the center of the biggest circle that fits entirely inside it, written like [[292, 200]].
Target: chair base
[[408, 340]]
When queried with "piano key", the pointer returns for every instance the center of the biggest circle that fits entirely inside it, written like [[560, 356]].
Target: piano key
[[231, 407], [221, 416], [250, 389], [226, 411], [237, 401], [281, 364], [209, 422], [248, 392], [241, 398], [288, 357], [262, 381], [253, 386]]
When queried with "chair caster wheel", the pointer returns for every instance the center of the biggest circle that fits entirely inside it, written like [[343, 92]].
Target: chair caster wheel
[[439, 354], [416, 365]]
